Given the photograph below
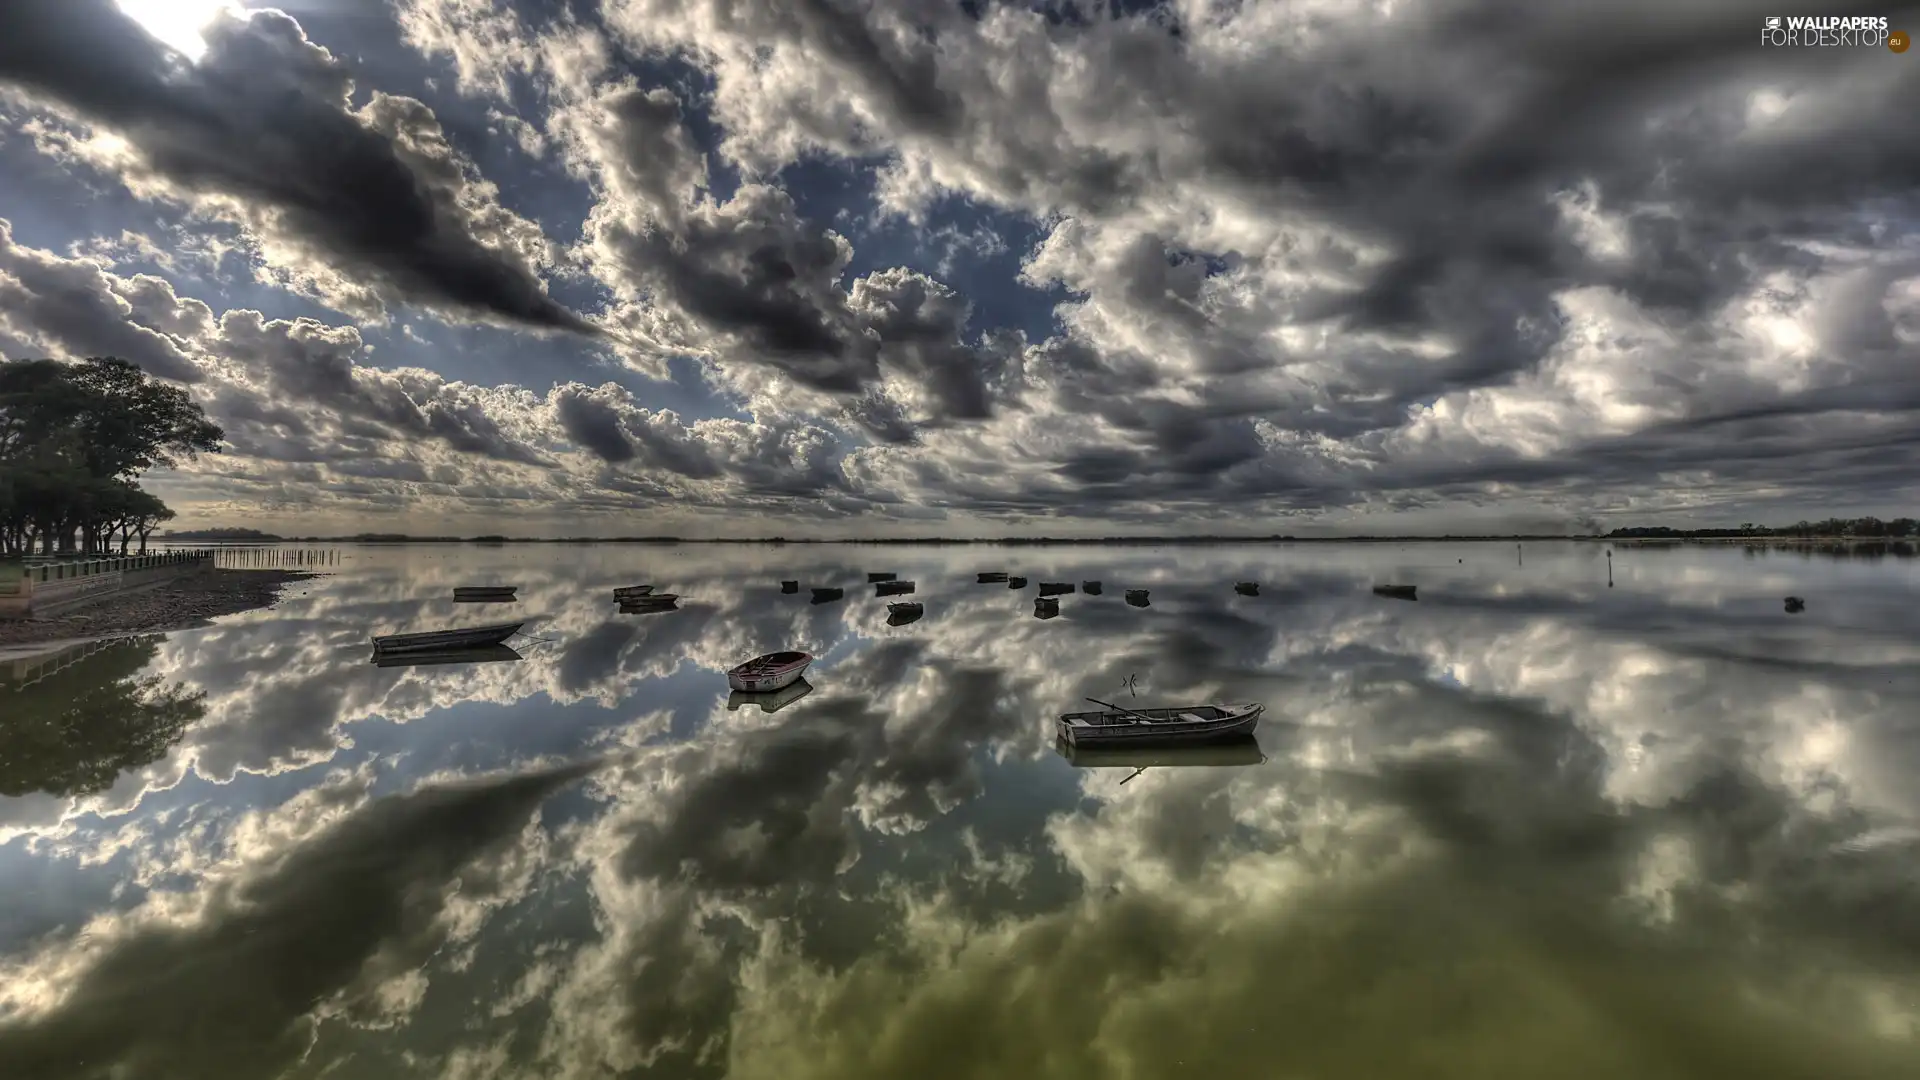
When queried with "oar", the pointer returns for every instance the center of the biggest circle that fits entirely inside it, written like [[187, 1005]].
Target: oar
[[1129, 712]]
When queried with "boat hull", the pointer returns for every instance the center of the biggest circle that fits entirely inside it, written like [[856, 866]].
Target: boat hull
[[876, 578], [1055, 588], [770, 702], [478, 595], [632, 591], [991, 577], [1086, 729], [477, 637], [1226, 751], [828, 596], [892, 588], [1091, 588], [485, 654]]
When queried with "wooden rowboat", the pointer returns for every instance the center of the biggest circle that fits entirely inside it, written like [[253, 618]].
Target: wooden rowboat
[[988, 577], [484, 593], [773, 671], [903, 613], [1045, 607], [1247, 588], [874, 578], [1137, 597], [472, 637], [892, 588], [1055, 588], [1091, 588], [1185, 724], [650, 604], [789, 586], [489, 654], [827, 595], [630, 591], [1397, 592], [1016, 583]]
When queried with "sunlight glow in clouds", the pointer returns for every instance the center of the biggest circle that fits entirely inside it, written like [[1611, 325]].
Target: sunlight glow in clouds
[[179, 23]]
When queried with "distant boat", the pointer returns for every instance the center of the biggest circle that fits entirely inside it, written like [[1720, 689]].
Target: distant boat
[[650, 604], [630, 591], [1045, 607], [874, 578], [904, 613], [1247, 588], [988, 577], [773, 671], [1230, 750], [892, 588], [1137, 597], [1115, 726], [488, 654], [1795, 605], [770, 702], [1055, 588], [484, 593], [1091, 588], [1016, 583], [472, 637], [789, 586], [827, 596], [1397, 592]]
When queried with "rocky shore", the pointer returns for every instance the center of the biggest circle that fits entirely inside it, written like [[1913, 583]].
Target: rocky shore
[[180, 604]]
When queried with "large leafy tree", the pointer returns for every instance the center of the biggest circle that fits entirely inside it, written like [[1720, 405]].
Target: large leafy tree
[[75, 436]]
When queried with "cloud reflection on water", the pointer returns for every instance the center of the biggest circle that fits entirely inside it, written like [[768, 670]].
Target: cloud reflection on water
[[1529, 825]]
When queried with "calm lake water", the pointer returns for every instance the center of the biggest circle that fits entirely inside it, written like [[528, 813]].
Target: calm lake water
[[1528, 826]]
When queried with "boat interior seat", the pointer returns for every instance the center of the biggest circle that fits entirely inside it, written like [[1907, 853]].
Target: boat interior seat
[[1193, 718]]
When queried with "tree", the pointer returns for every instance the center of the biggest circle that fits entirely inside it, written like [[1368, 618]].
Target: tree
[[73, 439], [76, 730]]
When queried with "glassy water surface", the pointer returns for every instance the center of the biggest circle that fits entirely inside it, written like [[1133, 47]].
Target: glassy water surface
[[1528, 825]]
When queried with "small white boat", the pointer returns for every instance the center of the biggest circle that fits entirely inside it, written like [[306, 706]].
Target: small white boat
[[773, 671], [1115, 726]]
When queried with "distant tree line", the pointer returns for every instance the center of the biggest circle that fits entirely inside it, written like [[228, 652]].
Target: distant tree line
[[1865, 527], [74, 439], [220, 534]]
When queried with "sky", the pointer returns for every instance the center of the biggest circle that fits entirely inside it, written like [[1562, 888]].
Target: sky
[[980, 267]]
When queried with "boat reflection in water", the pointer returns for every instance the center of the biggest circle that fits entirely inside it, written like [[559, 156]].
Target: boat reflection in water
[[772, 701], [491, 654], [1240, 750]]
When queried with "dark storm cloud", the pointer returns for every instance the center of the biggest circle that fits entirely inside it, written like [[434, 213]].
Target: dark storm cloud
[[72, 305], [263, 117], [274, 948]]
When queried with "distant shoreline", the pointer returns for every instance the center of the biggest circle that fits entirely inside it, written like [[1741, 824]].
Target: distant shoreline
[[1708, 536]]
